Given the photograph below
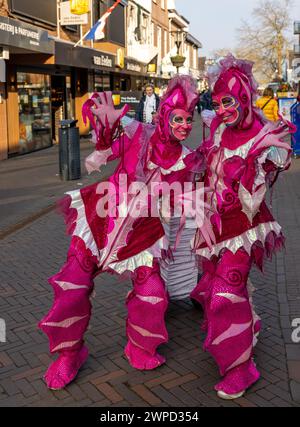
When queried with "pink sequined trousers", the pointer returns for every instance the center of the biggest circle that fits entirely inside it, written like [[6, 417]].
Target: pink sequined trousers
[[69, 317], [229, 320], [147, 304]]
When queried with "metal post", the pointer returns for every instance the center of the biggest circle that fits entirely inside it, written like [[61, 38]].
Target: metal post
[[81, 36], [92, 18], [58, 17]]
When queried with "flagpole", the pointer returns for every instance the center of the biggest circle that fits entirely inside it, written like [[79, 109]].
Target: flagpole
[[92, 21], [58, 17], [82, 38], [109, 11]]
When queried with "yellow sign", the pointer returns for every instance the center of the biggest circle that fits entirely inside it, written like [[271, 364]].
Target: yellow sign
[[116, 99], [80, 7], [120, 58], [287, 94], [151, 68]]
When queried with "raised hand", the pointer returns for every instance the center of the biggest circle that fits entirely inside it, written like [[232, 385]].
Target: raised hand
[[104, 118]]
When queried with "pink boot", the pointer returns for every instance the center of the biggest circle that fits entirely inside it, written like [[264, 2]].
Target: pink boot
[[145, 327], [65, 369], [231, 324], [68, 319], [237, 381], [141, 360]]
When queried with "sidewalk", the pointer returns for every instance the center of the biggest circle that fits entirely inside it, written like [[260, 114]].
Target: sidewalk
[[33, 253]]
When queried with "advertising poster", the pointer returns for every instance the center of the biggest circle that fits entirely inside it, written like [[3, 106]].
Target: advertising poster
[[285, 107]]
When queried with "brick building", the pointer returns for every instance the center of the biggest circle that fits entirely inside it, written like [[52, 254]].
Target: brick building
[[44, 78]]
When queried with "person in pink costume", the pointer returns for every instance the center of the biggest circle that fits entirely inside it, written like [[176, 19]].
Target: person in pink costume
[[244, 155], [120, 243]]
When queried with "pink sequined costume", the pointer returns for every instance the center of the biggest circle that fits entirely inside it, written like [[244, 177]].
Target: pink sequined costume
[[244, 155], [118, 243]]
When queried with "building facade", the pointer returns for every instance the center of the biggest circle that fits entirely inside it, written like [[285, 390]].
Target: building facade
[[44, 78], [296, 57]]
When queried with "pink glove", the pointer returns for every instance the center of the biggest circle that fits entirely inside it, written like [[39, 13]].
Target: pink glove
[[104, 118]]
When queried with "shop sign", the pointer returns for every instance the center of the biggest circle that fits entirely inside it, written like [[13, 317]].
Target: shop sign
[[25, 36], [131, 98], [69, 18], [103, 61], [120, 58], [79, 7], [134, 67]]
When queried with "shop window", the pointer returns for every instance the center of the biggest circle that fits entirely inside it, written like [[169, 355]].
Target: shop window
[[34, 111], [102, 82]]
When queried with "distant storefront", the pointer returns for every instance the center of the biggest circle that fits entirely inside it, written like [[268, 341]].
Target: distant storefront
[[34, 94], [45, 80]]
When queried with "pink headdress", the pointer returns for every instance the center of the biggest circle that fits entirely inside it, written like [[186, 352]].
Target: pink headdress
[[181, 94], [234, 76]]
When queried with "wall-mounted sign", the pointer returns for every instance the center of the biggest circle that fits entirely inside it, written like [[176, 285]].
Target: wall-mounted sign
[[69, 18], [131, 98], [82, 57], [120, 58], [24, 36], [79, 7], [151, 68], [134, 67], [103, 61]]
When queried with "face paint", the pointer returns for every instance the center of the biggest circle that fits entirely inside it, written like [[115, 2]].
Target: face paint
[[228, 107], [181, 124]]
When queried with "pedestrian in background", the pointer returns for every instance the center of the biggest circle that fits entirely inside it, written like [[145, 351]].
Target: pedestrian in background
[[148, 105], [268, 104]]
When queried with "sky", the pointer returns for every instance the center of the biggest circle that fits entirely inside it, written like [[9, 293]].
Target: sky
[[214, 22]]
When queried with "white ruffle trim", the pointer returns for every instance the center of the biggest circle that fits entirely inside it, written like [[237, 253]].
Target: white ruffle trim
[[245, 240], [82, 229], [143, 259], [178, 166]]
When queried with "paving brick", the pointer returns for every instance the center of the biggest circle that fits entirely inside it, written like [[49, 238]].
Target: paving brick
[[161, 379], [109, 392], [146, 394], [179, 381]]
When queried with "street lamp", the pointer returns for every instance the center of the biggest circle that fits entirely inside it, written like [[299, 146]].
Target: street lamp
[[178, 60]]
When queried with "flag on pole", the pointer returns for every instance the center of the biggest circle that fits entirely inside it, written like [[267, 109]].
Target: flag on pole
[[97, 31]]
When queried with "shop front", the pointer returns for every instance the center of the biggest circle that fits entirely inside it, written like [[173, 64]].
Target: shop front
[[27, 99], [34, 95]]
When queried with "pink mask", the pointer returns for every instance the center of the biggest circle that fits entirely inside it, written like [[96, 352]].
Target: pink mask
[[179, 100], [228, 108], [233, 90], [180, 124]]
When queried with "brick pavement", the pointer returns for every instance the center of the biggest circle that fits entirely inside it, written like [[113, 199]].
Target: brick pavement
[[35, 252]]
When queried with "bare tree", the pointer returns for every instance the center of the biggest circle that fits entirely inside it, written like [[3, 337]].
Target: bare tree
[[265, 40]]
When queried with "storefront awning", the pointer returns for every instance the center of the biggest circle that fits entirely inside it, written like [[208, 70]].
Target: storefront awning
[[21, 37], [84, 57]]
